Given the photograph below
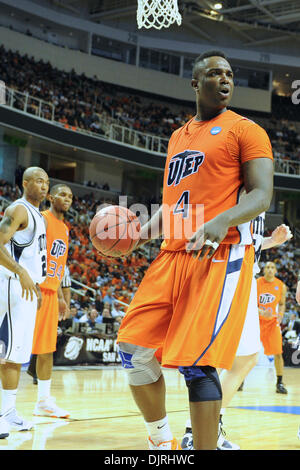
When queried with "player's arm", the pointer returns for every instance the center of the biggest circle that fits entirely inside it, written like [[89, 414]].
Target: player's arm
[[280, 235], [281, 305], [14, 219], [258, 180], [66, 291], [152, 229]]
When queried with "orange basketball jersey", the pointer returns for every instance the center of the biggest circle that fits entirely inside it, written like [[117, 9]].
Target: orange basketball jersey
[[57, 251], [268, 297], [203, 175]]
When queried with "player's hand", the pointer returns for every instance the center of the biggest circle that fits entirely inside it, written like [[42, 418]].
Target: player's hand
[[265, 313], [29, 288], [39, 302], [298, 293], [63, 310], [279, 318], [207, 239], [281, 234]]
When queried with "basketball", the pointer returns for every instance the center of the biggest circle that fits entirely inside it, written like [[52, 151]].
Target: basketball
[[114, 230]]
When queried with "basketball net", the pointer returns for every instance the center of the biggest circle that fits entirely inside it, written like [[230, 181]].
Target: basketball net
[[157, 13]]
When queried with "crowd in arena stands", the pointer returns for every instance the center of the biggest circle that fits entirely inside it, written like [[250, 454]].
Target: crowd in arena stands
[[89, 104], [285, 139], [82, 102]]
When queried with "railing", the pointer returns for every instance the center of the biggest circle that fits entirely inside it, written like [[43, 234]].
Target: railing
[[29, 104], [82, 293], [114, 132], [288, 167], [138, 139]]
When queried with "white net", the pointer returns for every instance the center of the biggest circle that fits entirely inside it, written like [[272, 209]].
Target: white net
[[157, 13]]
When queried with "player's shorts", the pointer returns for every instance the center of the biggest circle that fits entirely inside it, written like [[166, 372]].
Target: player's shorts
[[250, 339], [17, 319], [45, 332], [270, 335], [193, 310]]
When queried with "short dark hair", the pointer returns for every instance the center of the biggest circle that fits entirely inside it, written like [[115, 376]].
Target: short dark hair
[[205, 55], [57, 187]]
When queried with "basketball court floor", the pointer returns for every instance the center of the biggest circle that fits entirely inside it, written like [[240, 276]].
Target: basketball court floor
[[104, 416]]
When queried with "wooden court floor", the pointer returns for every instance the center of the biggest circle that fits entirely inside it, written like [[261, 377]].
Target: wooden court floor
[[104, 416]]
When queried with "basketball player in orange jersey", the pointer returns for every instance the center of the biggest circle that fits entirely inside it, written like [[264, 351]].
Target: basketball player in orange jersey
[[271, 294], [45, 333], [191, 305]]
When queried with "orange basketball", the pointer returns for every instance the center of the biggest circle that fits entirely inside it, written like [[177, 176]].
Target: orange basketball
[[114, 230]]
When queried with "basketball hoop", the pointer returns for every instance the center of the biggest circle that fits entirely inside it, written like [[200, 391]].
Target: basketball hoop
[[157, 13]]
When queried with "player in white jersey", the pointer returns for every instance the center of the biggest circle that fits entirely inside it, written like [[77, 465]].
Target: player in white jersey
[[23, 264], [249, 345]]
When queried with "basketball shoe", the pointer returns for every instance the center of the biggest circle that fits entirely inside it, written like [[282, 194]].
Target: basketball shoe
[[280, 388], [4, 427], [167, 445], [16, 423], [187, 440], [222, 444], [49, 408]]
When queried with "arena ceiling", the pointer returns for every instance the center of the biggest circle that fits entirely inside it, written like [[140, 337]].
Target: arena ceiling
[[255, 22]]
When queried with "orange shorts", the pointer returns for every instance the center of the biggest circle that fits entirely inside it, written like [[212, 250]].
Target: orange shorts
[[45, 331], [270, 336], [192, 311]]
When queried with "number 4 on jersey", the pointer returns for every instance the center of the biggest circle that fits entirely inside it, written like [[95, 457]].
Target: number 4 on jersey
[[182, 205]]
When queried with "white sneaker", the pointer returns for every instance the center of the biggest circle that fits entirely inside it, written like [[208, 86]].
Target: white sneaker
[[187, 440], [4, 427], [16, 423], [49, 408], [167, 445], [224, 444]]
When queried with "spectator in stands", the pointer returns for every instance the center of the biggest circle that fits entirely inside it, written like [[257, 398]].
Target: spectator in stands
[[117, 313], [108, 298], [99, 302], [93, 318], [74, 314], [84, 317]]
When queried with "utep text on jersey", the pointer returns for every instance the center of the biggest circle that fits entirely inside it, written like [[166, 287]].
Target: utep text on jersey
[[184, 164]]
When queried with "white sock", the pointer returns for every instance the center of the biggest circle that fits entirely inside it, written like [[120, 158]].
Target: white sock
[[222, 411], [43, 389], [8, 400], [188, 423], [159, 431]]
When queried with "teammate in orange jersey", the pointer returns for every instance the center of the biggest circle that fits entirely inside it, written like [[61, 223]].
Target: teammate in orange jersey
[[192, 302], [271, 294], [53, 303]]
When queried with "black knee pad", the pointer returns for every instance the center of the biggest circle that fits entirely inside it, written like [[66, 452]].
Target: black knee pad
[[203, 383]]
